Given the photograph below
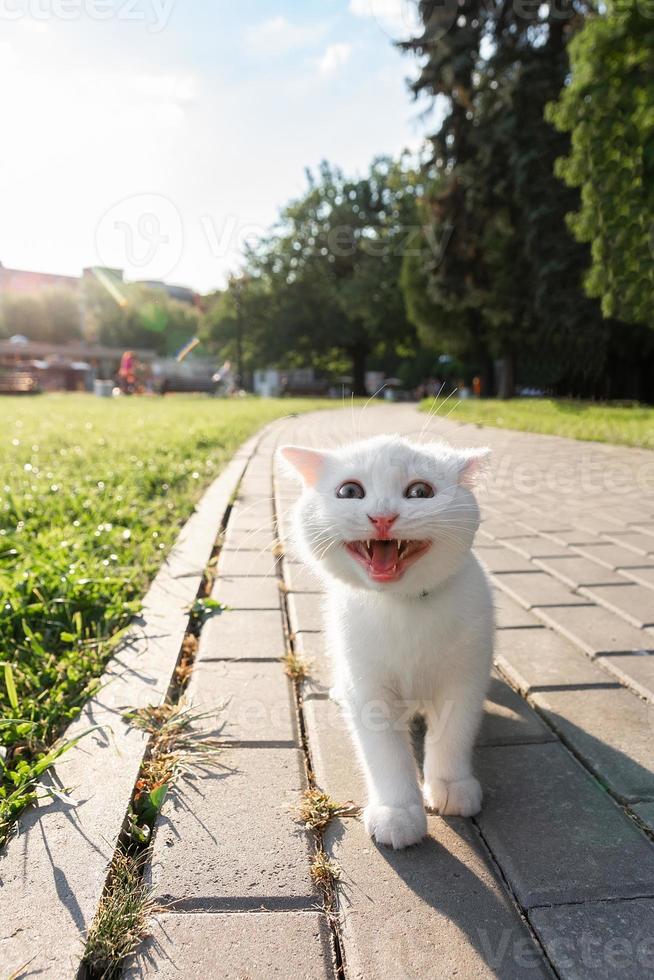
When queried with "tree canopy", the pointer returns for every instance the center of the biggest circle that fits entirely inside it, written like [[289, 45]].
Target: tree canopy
[[52, 315], [509, 281], [324, 284], [608, 108]]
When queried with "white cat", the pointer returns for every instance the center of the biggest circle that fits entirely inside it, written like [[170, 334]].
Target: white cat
[[388, 526]]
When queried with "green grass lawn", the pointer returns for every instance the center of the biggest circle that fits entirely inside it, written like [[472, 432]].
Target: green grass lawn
[[92, 496], [626, 426]]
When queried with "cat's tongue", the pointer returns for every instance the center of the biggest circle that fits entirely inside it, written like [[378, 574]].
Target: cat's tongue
[[384, 556]]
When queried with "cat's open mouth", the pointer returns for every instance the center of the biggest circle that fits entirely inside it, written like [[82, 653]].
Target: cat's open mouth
[[386, 561]]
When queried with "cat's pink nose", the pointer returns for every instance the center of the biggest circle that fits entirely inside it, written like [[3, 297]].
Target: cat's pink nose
[[383, 523]]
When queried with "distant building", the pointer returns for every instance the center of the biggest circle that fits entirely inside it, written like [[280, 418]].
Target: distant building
[[24, 281], [183, 294], [21, 281]]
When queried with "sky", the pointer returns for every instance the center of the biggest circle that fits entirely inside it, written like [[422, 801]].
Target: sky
[[156, 135]]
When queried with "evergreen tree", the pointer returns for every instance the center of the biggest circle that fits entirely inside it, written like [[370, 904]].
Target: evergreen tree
[[609, 109], [509, 281]]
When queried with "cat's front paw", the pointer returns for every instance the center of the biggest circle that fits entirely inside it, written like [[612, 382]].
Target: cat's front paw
[[456, 799], [395, 826]]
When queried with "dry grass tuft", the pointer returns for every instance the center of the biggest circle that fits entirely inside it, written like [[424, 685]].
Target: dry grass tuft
[[324, 871], [177, 749], [185, 666], [122, 918], [318, 808], [296, 667]]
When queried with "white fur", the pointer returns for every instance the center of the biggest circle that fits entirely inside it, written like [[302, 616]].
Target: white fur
[[420, 644]]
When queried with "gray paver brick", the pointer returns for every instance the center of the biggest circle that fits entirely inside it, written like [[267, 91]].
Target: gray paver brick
[[434, 910], [535, 546], [499, 529], [539, 523], [240, 540], [599, 940], [311, 646], [643, 575], [576, 571], [637, 541], [251, 701], [633, 669], [231, 838], [239, 593], [633, 602], [305, 610], [251, 564], [612, 730], [333, 756], [244, 634], [574, 537], [543, 658], [611, 555], [557, 835], [252, 517], [595, 629], [508, 719], [500, 559], [299, 578], [538, 589], [235, 946], [509, 614], [646, 813]]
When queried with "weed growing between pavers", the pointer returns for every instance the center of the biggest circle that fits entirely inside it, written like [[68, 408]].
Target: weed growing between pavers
[[296, 667], [316, 809], [178, 749], [122, 920], [325, 873], [92, 496]]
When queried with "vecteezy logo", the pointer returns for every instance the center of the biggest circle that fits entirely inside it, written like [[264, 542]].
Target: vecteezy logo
[[401, 20], [142, 234]]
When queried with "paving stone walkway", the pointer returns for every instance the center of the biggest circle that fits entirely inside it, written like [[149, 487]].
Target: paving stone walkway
[[555, 877], [557, 872]]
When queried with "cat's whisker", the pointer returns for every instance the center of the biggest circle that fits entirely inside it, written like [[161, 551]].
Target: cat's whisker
[[432, 411], [327, 548], [454, 407]]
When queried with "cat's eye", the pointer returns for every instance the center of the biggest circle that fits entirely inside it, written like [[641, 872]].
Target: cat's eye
[[351, 490], [419, 490]]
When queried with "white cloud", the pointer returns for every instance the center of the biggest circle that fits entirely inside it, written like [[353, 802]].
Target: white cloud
[[399, 18], [279, 36], [334, 58]]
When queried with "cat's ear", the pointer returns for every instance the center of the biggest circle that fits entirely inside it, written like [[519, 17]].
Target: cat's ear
[[307, 463], [473, 465]]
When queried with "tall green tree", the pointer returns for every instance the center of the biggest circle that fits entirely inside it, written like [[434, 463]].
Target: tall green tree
[[509, 282], [133, 315], [330, 270], [608, 107]]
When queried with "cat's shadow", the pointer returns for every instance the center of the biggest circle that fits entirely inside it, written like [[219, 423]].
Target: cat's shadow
[[464, 903], [453, 874]]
